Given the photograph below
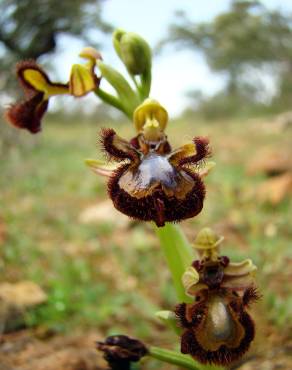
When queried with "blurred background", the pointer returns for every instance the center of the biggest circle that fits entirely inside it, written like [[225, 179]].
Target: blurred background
[[72, 269]]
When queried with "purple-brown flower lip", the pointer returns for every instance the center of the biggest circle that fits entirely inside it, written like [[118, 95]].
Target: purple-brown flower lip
[[152, 184], [217, 327]]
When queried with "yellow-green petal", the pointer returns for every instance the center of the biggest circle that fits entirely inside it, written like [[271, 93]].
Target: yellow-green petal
[[82, 80], [150, 109], [190, 280], [41, 83], [101, 167], [240, 268]]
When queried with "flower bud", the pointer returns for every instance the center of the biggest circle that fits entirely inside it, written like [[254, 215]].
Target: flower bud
[[133, 50]]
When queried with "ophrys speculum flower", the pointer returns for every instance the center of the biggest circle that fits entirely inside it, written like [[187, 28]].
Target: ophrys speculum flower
[[217, 327], [155, 183], [38, 89]]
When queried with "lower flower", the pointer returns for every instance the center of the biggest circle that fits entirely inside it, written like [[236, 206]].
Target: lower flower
[[217, 327]]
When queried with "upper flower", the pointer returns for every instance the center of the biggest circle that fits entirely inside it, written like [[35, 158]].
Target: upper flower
[[38, 89]]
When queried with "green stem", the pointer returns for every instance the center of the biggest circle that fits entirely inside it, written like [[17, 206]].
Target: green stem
[[178, 254], [112, 100], [177, 358], [174, 358], [146, 83], [138, 88], [135, 366]]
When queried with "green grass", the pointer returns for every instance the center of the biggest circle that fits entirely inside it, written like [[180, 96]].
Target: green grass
[[97, 275]]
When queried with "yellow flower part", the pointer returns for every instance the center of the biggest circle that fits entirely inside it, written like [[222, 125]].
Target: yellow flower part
[[82, 81], [207, 243], [150, 118], [38, 88], [82, 78], [38, 80]]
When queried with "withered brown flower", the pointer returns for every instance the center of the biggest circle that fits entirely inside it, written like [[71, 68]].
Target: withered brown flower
[[217, 327], [153, 184], [120, 351]]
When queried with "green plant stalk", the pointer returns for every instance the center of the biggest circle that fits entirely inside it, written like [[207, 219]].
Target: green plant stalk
[[146, 83], [126, 94], [178, 254], [174, 358], [135, 366], [111, 100], [179, 359], [138, 87]]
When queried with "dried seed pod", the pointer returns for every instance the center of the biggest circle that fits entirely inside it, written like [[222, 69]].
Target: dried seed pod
[[120, 351]]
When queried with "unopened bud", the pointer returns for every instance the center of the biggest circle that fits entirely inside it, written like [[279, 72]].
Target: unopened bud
[[133, 50]]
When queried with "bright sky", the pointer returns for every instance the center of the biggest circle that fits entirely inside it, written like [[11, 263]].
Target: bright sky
[[174, 72]]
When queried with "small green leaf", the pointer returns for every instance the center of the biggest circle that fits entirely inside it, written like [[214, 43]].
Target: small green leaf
[[168, 318]]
